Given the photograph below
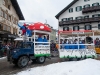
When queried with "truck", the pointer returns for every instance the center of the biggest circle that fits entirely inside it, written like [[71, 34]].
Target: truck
[[27, 50]]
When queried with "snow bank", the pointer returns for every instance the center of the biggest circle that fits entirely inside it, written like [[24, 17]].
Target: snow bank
[[84, 67], [2, 58]]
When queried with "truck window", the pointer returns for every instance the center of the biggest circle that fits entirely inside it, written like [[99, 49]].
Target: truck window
[[27, 45]]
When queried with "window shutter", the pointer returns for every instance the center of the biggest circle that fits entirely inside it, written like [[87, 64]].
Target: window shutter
[[67, 28], [62, 19], [98, 26], [90, 27], [92, 4], [69, 10], [84, 6], [68, 19], [76, 8], [92, 15], [73, 28], [78, 28], [98, 15], [85, 27], [80, 8], [72, 10]]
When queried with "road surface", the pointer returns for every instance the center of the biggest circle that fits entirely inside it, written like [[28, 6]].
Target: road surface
[[8, 69]]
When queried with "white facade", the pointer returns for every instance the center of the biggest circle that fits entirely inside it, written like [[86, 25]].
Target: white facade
[[75, 14]]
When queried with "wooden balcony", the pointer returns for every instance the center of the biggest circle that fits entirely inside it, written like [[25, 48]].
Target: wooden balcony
[[91, 9], [80, 21]]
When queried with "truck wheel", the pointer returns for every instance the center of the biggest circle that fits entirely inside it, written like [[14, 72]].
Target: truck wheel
[[23, 61], [41, 60]]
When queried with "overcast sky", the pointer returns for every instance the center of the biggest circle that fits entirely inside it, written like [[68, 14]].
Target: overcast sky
[[42, 10]]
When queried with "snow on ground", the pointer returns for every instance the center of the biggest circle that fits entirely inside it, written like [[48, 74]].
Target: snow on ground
[[84, 67], [2, 58]]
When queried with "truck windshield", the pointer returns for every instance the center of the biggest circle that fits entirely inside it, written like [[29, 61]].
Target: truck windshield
[[19, 45]]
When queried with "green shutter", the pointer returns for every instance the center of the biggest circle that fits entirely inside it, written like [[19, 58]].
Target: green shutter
[[90, 27], [72, 9], [68, 19], [98, 26], [67, 28], [98, 15], [73, 28], [92, 4], [80, 8], [63, 28], [76, 8], [92, 15], [69, 10], [85, 27], [78, 28], [62, 19]]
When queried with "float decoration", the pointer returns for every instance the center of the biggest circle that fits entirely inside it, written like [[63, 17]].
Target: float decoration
[[25, 30]]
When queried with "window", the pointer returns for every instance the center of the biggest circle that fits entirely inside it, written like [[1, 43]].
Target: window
[[9, 18], [65, 28], [79, 8], [75, 28], [5, 15], [29, 39], [26, 45], [64, 19], [8, 28], [1, 13], [86, 0], [88, 27], [9, 7], [96, 15], [78, 18], [95, 4], [71, 18], [86, 17], [98, 26], [70, 10], [86, 6], [4, 27]]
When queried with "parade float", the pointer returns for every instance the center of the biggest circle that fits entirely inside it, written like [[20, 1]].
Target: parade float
[[77, 44], [37, 49]]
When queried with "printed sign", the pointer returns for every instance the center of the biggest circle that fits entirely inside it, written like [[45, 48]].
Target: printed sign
[[77, 52], [42, 46], [77, 32]]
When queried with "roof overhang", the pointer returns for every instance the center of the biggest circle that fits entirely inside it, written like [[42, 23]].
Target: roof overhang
[[17, 9], [67, 7]]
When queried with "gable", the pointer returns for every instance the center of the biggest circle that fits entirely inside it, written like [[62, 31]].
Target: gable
[[67, 7]]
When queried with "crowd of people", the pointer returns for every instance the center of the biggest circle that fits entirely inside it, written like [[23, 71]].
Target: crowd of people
[[4, 47]]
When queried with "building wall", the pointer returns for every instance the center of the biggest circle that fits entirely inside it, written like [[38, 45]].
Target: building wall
[[12, 13], [53, 35], [75, 14]]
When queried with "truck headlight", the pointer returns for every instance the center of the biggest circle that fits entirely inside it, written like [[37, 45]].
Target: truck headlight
[[15, 51]]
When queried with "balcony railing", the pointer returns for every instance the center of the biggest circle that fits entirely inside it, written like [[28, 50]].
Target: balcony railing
[[80, 21], [91, 9]]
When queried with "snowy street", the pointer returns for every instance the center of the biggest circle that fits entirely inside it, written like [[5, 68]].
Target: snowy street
[[84, 67], [7, 69]]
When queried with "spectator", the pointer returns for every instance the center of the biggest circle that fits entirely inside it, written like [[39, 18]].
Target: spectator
[[45, 40], [97, 42]]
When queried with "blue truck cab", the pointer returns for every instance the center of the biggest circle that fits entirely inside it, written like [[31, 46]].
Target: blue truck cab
[[22, 53]]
